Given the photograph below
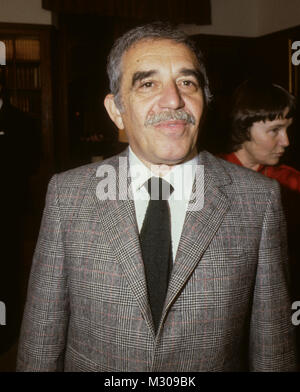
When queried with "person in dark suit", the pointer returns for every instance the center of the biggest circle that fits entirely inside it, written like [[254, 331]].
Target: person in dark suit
[[191, 279], [19, 159]]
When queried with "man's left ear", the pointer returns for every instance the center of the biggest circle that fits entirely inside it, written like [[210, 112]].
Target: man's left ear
[[113, 111]]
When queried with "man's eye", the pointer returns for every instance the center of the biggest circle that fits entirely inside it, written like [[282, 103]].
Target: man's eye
[[147, 84], [188, 84]]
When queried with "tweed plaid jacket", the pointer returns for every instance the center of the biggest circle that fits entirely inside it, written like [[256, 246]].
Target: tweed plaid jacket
[[227, 306]]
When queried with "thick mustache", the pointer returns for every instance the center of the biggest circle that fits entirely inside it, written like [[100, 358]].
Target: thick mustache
[[155, 119]]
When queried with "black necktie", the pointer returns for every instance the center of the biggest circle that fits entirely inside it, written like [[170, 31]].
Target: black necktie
[[156, 245]]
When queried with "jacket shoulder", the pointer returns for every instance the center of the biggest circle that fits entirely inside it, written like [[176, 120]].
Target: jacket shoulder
[[82, 175], [240, 178]]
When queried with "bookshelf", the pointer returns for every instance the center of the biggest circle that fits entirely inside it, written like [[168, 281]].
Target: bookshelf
[[23, 73]]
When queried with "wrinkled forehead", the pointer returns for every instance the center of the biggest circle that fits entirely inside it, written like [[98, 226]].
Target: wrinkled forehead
[[149, 53]]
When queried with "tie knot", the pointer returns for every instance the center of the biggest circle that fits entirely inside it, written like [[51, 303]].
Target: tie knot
[[158, 188]]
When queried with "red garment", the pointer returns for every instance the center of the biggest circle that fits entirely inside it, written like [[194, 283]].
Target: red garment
[[285, 175]]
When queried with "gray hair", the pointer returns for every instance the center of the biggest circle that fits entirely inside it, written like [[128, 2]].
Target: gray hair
[[154, 31]]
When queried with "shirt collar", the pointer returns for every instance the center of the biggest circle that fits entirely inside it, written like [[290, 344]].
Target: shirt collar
[[138, 171], [181, 176]]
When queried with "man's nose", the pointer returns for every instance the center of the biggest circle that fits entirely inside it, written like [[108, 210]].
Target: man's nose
[[284, 139], [171, 97]]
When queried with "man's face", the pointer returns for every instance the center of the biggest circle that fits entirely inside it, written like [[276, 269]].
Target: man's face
[[268, 142], [162, 102]]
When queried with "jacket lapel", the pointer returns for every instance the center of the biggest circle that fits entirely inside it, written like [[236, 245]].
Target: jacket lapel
[[200, 225], [121, 228], [199, 229]]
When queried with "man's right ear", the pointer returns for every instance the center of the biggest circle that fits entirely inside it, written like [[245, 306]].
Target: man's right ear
[[113, 111]]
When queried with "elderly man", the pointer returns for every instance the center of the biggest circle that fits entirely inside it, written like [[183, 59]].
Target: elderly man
[[124, 280]]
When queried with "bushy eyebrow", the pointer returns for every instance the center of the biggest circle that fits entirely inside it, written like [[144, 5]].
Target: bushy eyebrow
[[140, 75], [191, 72]]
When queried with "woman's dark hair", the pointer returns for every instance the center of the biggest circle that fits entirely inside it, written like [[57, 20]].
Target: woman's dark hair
[[254, 101]]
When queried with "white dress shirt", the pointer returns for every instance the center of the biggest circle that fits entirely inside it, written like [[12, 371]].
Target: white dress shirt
[[181, 177]]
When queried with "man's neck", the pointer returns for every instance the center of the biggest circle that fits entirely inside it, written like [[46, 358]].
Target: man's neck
[[163, 169]]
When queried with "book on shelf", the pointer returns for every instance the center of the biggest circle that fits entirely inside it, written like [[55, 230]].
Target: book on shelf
[[28, 77], [22, 73], [21, 49], [9, 49], [27, 49]]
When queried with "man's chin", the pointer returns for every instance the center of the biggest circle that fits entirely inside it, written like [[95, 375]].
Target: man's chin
[[175, 156], [175, 159]]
